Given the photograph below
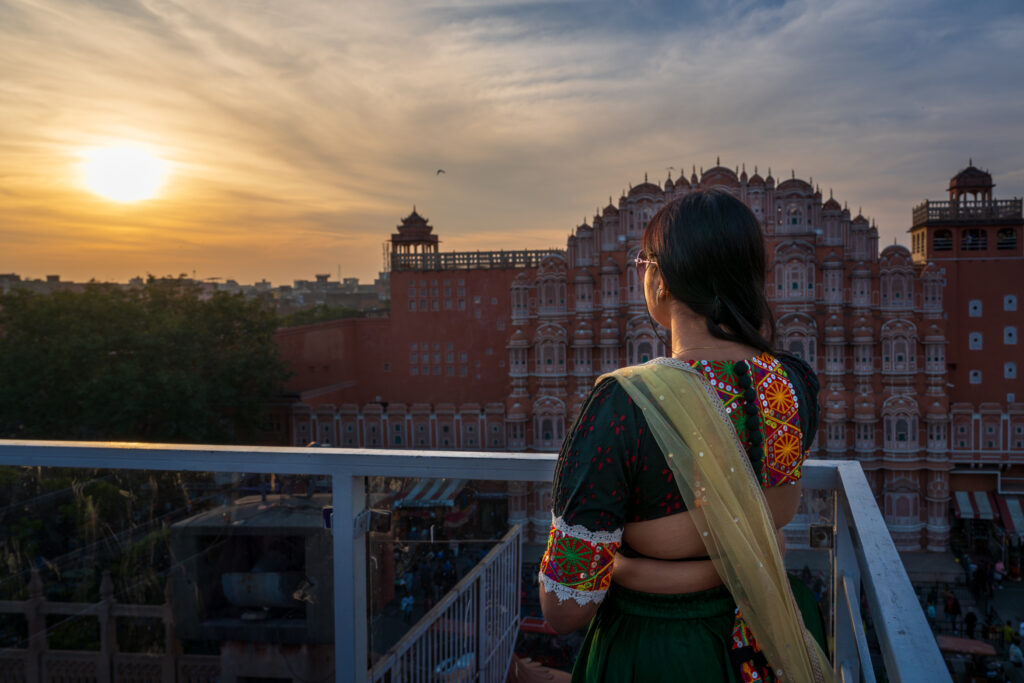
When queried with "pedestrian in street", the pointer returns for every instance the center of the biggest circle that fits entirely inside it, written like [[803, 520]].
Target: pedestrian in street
[[933, 595], [930, 612], [407, 603], [1016, 659], [970, 622]]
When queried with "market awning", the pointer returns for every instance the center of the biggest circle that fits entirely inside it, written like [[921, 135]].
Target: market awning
[[430, 493], [965, 646], [975, 505], [460, 517], [1012, 510]]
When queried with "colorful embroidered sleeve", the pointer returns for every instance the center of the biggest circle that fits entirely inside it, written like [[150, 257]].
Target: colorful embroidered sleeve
[[783, 415], [590, 496]]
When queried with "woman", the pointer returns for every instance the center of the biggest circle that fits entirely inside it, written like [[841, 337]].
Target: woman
[[641, 543]]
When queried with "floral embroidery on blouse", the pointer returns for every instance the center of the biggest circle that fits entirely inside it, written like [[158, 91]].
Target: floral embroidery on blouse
[[578, 563]]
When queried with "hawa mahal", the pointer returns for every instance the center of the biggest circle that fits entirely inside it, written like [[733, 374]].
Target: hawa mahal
[[916, 349]]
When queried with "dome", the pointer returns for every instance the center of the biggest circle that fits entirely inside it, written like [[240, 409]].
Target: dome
[[518, 340], [609, 331], [668, 183], [864, 404], [796, 185], [831, 205], [720, 175], [755, 179], [835, 403], [682, 182], [582, 331], [860, 220], [834, 323], [971, 179], [610, 210], [645, 188]]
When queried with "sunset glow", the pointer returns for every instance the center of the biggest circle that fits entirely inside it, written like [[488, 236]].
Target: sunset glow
[[124, 173]]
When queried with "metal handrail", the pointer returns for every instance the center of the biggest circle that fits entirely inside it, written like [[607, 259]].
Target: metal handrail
[[909, 651]]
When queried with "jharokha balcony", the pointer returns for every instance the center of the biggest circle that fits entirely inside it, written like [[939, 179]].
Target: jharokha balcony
[[313, 564]]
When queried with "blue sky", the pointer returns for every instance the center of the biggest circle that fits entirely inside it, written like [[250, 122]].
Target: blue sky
[[300, 133]]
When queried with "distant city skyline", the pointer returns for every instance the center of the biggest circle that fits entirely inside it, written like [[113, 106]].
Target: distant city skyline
[[297, 137]]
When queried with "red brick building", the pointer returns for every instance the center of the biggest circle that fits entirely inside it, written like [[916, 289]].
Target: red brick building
[[496, 350], [975, 242]]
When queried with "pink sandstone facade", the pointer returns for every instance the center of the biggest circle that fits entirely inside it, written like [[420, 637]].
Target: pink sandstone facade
[[497, 350]]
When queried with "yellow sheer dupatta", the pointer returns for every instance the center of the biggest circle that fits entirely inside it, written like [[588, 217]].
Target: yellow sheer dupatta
[[729, 509]]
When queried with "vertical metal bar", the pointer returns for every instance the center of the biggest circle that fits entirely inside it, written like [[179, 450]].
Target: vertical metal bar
[[349, 579], [844, 571], [844, 565], [851, 595]]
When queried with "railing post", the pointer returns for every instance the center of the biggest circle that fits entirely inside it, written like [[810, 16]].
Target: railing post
[[845, 596], [37, 645], [172, 648], [108, 629], [482, 645], [350, 641]]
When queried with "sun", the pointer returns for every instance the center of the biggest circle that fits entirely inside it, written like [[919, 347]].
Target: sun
[[124, 173]]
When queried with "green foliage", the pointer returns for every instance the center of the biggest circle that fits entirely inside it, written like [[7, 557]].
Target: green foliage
[[320, 313], [156, 363]]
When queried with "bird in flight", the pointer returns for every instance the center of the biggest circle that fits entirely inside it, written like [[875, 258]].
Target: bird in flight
[[439, 171]]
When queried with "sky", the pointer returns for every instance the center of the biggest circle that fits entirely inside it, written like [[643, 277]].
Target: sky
[[299, 133]]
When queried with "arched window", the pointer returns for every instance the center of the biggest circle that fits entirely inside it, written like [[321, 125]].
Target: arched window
[[974, 239], [634, 288], [794, 216], [1006, 238], [797, 348], [609, 290]]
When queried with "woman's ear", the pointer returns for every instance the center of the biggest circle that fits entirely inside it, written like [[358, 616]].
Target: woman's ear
[[662, 287]]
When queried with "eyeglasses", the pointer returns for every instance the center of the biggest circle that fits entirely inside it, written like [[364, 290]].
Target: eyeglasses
[[642, 263]]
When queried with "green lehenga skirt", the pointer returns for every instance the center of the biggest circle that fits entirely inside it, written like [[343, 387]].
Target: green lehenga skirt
[[655, 638]]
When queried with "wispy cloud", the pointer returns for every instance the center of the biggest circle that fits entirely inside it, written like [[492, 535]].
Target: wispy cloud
[[301, 133]]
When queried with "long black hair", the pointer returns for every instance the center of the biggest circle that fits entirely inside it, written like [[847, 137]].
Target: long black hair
[[710, 250]]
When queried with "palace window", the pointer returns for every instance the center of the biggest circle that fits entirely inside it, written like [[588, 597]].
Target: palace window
[[865, 436], [1006, 238], [833, 286], [942, 240], [582, 360], [974, 341], [1009, 334], [1009, 302], [974, 377], [932, 294], [974, 239], [974, 308], [863, 362], [1009, 370]]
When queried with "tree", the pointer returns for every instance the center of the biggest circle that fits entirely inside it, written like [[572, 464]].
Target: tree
[[320, 313], [155, 363]]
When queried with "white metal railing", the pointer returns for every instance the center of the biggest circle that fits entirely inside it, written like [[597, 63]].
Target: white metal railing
[[470, 633], [865, 557]]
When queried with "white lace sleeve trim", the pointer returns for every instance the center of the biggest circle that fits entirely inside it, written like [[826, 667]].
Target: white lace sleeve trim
[[564, 593], [585, 534]]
